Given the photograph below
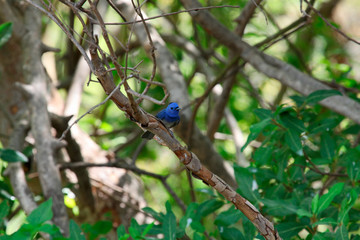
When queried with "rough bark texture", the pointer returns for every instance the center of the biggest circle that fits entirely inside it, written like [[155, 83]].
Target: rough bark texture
[[27, 95], [25, 72]]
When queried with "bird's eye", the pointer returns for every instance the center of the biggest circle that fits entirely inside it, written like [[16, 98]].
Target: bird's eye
[[172, 108]]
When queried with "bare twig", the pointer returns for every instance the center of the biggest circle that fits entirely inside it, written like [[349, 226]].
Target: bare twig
[[330, 25], [245, 16], [53, 17], [134, 169], [201, 99], [174, 13], [90, 110], [152, 48]]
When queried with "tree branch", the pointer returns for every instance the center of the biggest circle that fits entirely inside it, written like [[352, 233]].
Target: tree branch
[[133, 168], [273, 67], [16, 172], [171, 75]]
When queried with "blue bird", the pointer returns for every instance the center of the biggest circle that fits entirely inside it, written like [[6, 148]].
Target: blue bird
[[168, 116]]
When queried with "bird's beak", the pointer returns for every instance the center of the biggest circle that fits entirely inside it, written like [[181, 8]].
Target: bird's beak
[[177, 108]]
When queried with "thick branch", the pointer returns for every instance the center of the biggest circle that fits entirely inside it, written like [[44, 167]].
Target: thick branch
[[192, 162], [75, 155], [273, 67], [171, 75], [36, 90]]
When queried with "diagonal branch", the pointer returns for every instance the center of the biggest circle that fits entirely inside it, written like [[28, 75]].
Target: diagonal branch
[[273, 67], [174, 80]]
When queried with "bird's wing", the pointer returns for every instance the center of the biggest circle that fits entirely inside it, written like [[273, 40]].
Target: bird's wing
[[161, 115]]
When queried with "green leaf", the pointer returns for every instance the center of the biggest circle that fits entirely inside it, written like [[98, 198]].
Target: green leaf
[[6, 191], [100, 227], [323, 125], [353, 170], [262, 155], [169, 224], [41, 214], [135, 229], [147, 229], [303, 213], [346, 205], [315, 204], [196, 236], [247, 184], [324, 236], [296, 173], [282, 158], [289, 229], [190, 216], [321, 161], [75, 231], [197, 226], [281, 109], [255, 130], [327, 146], [158, 216], [20, 234], [280, 207], [319, 95], [209, 207], [10, 155], [4, 210], [325, 221], [292, 139], [251, 230], [208, 191], [53, 230], [251, 137], [5, 32], [231, 234], [299, 100], [292, 123], [342, 233], [262, 113], [121, 233], [327, 198], [227, 218]]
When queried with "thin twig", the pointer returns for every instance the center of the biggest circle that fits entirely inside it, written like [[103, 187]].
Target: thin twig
[[330, 25], [200, 100], [132, 168], [261, 10], [174, 13], [152, 48], [65, 30], [90, 110]]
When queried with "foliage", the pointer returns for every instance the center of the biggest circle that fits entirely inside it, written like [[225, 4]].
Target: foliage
[[5, 33], [10, 155], [299, 149], [304, 168], [38, 222]]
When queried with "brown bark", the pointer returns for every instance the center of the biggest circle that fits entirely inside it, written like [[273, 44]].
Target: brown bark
[[22, 69]]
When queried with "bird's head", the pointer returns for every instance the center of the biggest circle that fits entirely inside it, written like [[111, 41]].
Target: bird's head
[[173, 109]]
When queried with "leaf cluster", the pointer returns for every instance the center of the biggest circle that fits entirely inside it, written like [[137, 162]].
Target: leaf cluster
[[305, 172]]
